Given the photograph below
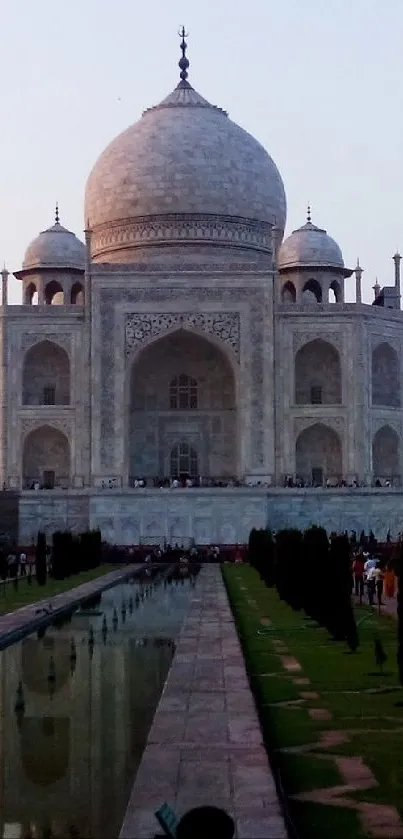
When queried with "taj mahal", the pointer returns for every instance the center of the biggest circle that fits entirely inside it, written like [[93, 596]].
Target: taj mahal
[[186, 372]]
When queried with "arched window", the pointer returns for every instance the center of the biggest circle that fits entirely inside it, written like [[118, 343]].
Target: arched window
[[335, 295], [288, 293], [31, 295], [184, 461], [312, 292], [77, 295], [54, 294], [183, 393]]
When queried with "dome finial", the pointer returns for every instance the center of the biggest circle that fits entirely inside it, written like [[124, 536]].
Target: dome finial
[[184, 61], [57, 219], [308, 214]]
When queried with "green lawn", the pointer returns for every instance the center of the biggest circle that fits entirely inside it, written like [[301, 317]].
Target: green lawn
[[362, 701], [12, 599]]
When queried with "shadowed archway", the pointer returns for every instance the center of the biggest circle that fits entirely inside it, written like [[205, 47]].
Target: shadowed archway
[[182, 394]]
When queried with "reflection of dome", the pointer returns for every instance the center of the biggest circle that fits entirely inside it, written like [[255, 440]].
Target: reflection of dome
[[310, 246], [183, 161], [55, 247]]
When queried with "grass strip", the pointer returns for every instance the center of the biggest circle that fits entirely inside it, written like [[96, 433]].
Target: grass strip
[[26, 594], [363, 701]]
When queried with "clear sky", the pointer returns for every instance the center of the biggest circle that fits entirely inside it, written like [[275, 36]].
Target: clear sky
[[317, 82]]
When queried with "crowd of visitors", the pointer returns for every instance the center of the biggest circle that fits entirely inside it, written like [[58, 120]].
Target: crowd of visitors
[[175, 553], [373, 574], [15, 563]]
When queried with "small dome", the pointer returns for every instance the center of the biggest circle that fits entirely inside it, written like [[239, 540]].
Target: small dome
[[55, 247], [310, 247]]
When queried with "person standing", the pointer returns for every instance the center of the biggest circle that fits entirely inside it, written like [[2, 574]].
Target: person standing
[[371, 585], [389, 582], [358, 574], [379, 579], [23, 564]]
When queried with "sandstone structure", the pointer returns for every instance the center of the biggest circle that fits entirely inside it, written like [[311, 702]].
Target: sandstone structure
[[187, 338]]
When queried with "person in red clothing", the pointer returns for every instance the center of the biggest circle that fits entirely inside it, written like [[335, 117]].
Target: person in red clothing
[[358, 574]]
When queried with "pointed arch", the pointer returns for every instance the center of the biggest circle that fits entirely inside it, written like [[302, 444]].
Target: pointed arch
[[54, 294], [288, 292], [386, 455], [385, 376], [318, 377], [46, 458], [182, 390], [46, 375], [318, 455], [312, 292]]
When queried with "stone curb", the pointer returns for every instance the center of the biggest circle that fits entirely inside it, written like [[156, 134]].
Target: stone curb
[[14, 625]]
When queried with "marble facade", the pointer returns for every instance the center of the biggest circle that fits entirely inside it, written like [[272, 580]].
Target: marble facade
[[187, 338]]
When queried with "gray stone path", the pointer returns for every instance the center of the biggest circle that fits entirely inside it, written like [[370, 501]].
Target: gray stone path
[[205, 745], [15, 623]]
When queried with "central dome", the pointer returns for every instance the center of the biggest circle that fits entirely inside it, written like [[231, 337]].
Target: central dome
[[184, 174]]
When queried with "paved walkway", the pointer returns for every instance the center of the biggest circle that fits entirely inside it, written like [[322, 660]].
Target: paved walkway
[[16, 623], [205, 745], [389, 605]]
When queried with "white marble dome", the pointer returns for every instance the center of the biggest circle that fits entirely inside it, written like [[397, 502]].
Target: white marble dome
[[55, 247], [179, 171], [309, 246]]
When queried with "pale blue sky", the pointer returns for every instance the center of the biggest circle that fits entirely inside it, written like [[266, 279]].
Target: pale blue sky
[[317, 82]]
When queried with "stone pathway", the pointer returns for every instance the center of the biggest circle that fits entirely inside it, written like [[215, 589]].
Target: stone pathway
[[14, 624], [205, 745]]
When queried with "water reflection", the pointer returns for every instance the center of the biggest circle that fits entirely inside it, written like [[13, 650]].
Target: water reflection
[[77, 702]]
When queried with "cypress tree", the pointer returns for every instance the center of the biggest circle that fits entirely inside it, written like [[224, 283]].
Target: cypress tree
[[316, 573], [289, 567], [40, 560]]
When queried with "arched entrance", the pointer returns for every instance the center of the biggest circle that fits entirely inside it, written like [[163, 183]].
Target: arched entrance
[[319, 455], [182, 410], [46, 458], [386, 456]]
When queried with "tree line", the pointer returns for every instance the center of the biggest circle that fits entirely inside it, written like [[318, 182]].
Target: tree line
[[297, 563], [69, 554]]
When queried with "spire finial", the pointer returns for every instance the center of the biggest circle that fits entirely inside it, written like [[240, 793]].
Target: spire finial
[[184, 61], [57, 219], [308, 214]]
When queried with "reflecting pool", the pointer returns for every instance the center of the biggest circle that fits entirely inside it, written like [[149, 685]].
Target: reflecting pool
[[77, 703]]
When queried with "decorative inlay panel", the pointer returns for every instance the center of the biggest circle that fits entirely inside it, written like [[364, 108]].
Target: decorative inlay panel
[[29, 339], [176, 229], [302, 338], [302, 423], [380, 422], [30, 424], [221, 325]]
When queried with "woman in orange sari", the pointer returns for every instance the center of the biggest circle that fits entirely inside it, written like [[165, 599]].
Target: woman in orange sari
[[389, 582]]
